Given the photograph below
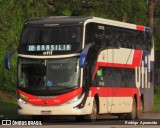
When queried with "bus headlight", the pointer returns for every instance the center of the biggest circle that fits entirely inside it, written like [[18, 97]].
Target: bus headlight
[[22, 101], [75, 99]]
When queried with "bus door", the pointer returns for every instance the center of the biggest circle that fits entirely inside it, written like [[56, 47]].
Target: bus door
[[109, 73], [104, 80], [114, 79]]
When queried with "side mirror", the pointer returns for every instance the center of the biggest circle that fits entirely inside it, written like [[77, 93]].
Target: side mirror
[[83, 55], [7, 59], [99, 73]]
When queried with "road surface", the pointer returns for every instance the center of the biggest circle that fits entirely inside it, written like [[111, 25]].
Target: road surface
[[102, 122]]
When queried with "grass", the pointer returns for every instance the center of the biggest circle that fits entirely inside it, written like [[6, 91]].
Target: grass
[[7, 97], [156, 107], [8, 110], [9, 107]]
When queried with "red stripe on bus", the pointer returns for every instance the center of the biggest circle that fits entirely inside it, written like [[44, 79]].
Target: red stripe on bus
[[135, 63], [95, 70], [137, 58], [140, 28], [57, 100], [114, 91]]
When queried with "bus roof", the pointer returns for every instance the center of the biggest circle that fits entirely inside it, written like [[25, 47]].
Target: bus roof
[[65, 20], [58, 20]]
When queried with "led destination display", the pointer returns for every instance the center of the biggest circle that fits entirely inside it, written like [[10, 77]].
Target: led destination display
[[51, 47]]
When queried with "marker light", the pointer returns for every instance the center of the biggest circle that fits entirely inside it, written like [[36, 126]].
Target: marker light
[[22, 101]]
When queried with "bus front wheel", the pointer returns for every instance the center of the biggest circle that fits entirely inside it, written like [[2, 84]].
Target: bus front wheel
[[93, 115]]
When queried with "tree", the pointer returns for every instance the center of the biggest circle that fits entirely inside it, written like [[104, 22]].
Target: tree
[[151, 7], [121, 10], [13, 14], [71, 7]]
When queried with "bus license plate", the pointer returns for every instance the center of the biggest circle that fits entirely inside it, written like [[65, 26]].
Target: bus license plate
[[45, 112]]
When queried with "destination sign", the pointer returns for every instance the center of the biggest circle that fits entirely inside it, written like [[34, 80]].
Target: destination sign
[[50, 47]]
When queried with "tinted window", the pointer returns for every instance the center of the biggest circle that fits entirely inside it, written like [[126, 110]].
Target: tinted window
[[114, 37], [42, 75], [117, 77], [70, 35]]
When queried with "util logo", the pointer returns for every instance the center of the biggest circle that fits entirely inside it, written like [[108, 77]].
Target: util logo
[[47, 53], [143, 74]]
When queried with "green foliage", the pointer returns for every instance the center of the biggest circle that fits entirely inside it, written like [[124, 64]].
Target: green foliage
[[157, 90], [156, 107], [118, 10], [121, 10], [138, 12], [8, 110], [8, 77], [13, 14], [157, 43], [10, 23]]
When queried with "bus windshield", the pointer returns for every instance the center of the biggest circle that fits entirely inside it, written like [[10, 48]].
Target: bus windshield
[[48, 74], [61, 35]]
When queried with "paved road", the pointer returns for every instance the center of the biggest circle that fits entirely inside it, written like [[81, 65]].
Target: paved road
[[102, 122]]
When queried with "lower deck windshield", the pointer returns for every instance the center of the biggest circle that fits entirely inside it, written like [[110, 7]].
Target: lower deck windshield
[[48, 74]]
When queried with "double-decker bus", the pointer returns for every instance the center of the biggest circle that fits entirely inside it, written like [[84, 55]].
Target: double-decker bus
[[84, 66]]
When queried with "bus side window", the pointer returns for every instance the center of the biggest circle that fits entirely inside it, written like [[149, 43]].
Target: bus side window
[[111, 37], [138, 40], [130, 40], [115, 37], [90, 33], [141, 40], [149, 41], [144, 41], [108, 35], [87, 76]]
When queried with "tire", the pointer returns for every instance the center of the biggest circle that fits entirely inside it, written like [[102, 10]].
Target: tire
[[132, 115], [93, 116], [80, 118], [38, 117], [121, 116], [140, 110]]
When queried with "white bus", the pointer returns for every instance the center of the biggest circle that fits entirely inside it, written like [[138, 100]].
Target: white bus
[[84, 66]]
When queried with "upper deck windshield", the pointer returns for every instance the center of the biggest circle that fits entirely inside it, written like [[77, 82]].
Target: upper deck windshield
[[47, 76], [55, 36]]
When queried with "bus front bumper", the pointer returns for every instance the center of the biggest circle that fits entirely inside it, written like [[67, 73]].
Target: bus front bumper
[[64, 109]]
